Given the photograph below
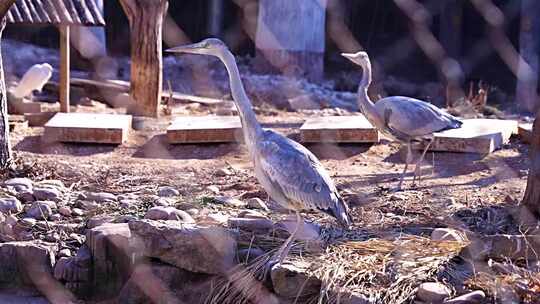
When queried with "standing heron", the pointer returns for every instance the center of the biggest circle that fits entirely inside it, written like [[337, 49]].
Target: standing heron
[[291, 175], [405, 119]]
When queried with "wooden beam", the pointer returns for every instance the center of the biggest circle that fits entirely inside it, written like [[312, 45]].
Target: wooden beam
[[64, 68]]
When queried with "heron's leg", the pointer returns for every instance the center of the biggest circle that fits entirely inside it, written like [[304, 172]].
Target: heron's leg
[[283, 251], [407, 161], [417, 167]]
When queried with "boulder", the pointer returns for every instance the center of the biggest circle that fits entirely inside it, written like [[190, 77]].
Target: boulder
[[29, 265], [433, 292], [20, 183], [10, 205], [195, 248], [75, 272], [291, 280], [39, 210]]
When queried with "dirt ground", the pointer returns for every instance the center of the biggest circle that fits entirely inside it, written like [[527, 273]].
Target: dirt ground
[[458, 189]]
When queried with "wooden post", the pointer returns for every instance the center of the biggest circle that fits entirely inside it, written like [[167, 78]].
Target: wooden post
[[5, 147], [64, 68], [450, 34], [531, 199], [146, 23], [529, 40], [290, 37], [215, 17]]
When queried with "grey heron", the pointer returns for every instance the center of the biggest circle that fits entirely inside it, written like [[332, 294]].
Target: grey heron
[[404, 119], [291, 175]]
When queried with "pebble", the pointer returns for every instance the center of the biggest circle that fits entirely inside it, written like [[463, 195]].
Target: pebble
[[257, 203], [219, 217], [227, 200], [20, 183], [167, 191], [474, 297], [10, 205], [168, 213], [128, 203], [47, 194], [251, 214], [39, 210], [432, 292], [212, 188], [55, 217], [28, 221], [88, 205], [101, 197], [163, 202], [193, 211], [65, 211], [397, 197], [98, 220], [77, 212], [223, 172]]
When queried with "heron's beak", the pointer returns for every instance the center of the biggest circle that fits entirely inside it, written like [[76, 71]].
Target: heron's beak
[[188, 48], [349, 56]]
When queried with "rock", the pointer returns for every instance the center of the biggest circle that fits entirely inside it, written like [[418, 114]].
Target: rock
[[101, 197], [227, 200], [21, 183], [26, 196], [247, 255], [54, 183], [448, 234], [55, 217], [397, 197], [10, 205], [31, 264], [167, 191], [212, 188], [168, 213], [128, 203], [154, 282], [219, 218], [257, 203], [11, 219], [307, 232], [47, 194], [470, 298], [125, 219], [193, 211], [291, 280], [75, 272], [65, 211], [248, 213], [88, 205], [162, 202], [51, 204], [208, 250], [77, 212], [223, 172], [28, 222], [432, 292], [260, 225], [39, 210], [112, 256], [98, 220]]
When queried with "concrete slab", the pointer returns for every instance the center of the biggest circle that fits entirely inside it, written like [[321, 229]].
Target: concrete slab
[[205, 129], [88, 128], [339, 129], [481, 136], [525, 131]]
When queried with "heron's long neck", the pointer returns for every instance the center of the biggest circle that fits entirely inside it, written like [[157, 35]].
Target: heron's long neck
[[367, 107], [250, 126]]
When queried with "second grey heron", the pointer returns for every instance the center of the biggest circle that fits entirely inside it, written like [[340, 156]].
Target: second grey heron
[[291, 175], [404, 119]]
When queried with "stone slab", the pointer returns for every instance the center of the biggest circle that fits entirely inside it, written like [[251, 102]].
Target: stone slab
[[88, 128], [525, 131], [339, 129], [481, 136], [205, 129]]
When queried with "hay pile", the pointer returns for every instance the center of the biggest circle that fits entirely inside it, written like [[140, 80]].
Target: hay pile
[[384, 268]]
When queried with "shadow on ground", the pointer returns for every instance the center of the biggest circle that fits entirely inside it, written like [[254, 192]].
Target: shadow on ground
[[35, 144]]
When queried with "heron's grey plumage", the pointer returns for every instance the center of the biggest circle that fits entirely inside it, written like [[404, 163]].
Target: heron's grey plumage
[[403, 118], [291, 175]]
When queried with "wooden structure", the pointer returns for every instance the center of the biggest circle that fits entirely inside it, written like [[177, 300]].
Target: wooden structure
[[481, 136], [88, 127], [146, 24], [339, 129], [62, 13], [525, 132], [290, 37], [205, 129]]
